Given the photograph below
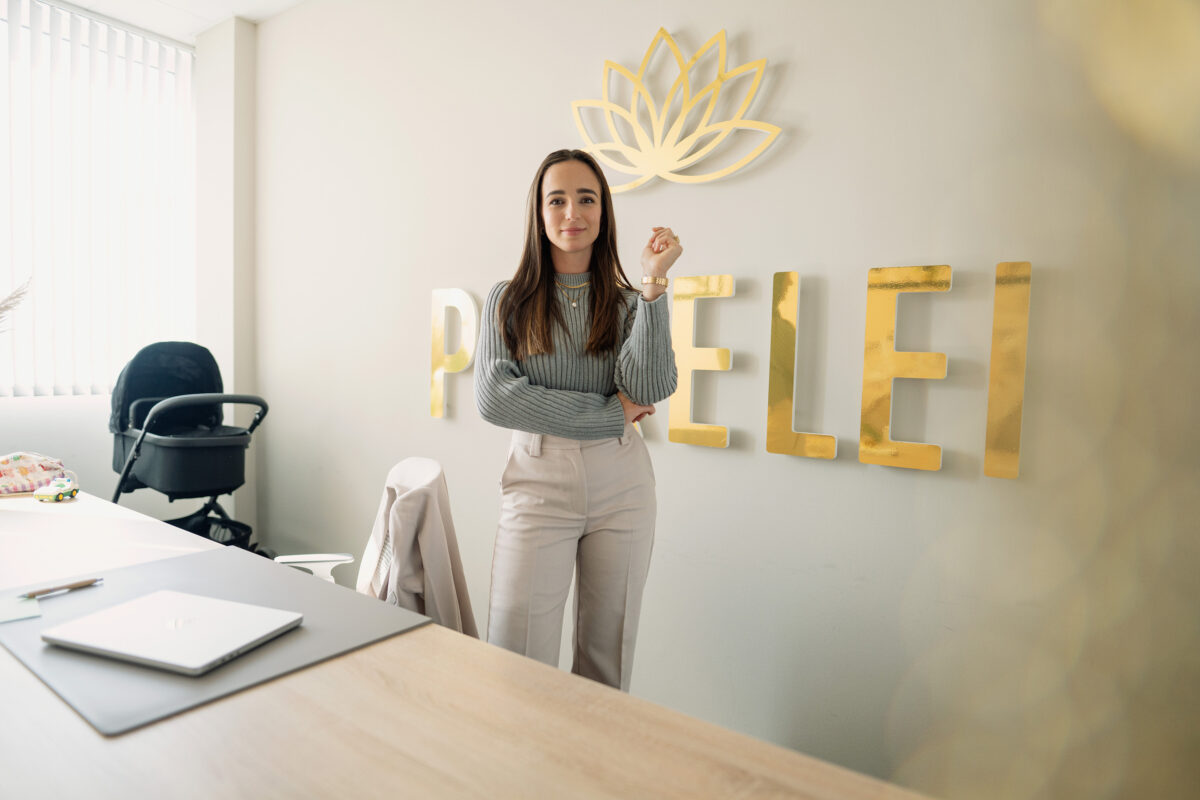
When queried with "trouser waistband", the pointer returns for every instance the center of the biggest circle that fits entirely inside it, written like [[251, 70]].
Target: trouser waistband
[[536, 442]]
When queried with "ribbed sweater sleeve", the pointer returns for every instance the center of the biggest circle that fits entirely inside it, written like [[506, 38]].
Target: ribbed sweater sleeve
[[646, 370], [506, 397]]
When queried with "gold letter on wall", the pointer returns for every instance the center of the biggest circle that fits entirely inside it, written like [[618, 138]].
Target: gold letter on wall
[[1006, 384], [781, 384], [689, 358], [881, 363], [441, 361]]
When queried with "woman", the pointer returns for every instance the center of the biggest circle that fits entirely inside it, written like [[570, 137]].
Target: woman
[[570, 356]]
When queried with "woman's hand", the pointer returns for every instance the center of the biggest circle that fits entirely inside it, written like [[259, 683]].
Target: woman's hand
[[633, 411], [660, 252]]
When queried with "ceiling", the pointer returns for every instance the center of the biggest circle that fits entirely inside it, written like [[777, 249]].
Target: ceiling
[[182, 20]]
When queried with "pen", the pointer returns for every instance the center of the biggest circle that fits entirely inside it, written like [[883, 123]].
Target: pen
[[66, 587]]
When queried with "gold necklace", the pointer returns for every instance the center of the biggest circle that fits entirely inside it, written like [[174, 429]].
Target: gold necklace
[[574, 301]]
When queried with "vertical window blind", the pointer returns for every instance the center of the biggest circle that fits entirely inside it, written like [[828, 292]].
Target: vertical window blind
[[97, 197]]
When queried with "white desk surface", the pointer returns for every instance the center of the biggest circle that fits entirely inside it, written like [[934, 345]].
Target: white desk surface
[[427, 714], [42, 542]]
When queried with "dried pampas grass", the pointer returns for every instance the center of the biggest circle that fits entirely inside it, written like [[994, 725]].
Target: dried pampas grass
[[13, 300]]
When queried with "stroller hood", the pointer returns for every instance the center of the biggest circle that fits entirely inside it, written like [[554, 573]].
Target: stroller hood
[[167, 369]]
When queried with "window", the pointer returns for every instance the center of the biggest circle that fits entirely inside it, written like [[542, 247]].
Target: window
[[97, 197]]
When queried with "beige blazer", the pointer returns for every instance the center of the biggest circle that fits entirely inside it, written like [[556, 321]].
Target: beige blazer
[[412, 557]]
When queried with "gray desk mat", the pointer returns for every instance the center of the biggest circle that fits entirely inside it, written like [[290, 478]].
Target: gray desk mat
[[116, 697]]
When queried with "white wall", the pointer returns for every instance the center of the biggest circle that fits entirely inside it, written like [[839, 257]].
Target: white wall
[[225, 224], [967, 636]]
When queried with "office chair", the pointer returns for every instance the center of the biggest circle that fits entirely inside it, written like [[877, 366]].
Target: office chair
[[411, 558], [319, 564]]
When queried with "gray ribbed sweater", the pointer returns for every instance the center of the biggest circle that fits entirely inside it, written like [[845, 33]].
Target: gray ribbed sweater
[[568, 392]]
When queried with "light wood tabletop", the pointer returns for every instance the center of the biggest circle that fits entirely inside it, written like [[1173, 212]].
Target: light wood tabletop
[[427, 714]]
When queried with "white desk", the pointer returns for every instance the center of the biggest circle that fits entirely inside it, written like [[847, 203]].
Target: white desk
[[427, 714], [47, 541]]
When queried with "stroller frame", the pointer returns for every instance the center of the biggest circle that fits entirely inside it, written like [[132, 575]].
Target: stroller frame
[[227, 457], [169, 435], [240, 442]]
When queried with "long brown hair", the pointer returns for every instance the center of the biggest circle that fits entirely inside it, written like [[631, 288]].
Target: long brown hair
[[528, 307]]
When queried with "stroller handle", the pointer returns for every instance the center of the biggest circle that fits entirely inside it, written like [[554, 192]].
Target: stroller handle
[[183, 400], [180, 401]]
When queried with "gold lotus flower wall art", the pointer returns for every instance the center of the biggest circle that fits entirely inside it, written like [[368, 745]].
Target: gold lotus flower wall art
[[700, 105]]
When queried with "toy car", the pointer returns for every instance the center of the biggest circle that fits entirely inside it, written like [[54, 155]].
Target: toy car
[[61, 488]]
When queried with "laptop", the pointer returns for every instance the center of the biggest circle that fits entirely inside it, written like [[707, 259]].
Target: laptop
[[185, 633]]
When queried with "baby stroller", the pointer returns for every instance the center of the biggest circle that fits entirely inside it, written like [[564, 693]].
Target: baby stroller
[[168, 435]]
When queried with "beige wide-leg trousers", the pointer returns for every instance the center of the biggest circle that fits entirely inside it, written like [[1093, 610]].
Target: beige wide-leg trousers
[[583, 508]]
